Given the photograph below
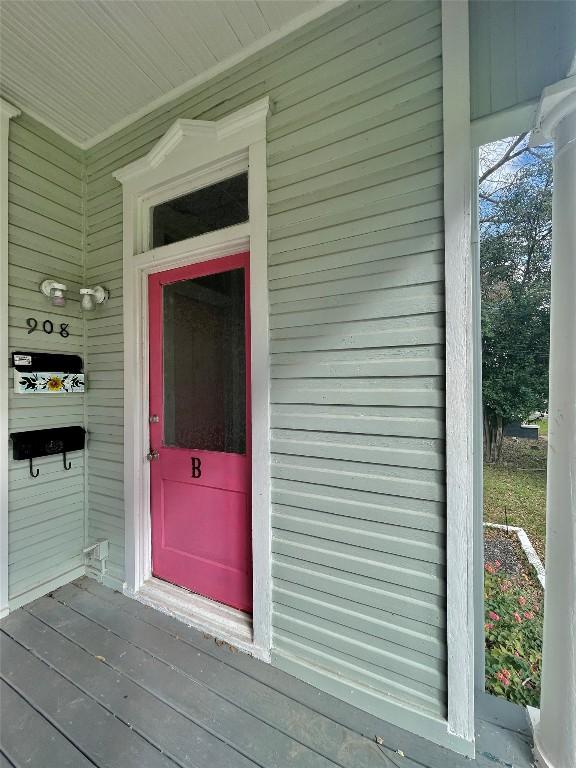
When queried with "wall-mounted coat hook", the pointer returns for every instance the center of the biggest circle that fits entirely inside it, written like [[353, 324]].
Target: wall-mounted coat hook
[[27, 446]]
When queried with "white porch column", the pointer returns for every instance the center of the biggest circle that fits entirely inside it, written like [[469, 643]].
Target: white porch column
[[555, 734]]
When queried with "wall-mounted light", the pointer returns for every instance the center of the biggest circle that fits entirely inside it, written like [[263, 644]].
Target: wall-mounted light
[[55, 292], [93, 296]]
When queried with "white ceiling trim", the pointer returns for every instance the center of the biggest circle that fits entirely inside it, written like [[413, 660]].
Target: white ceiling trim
[[228, 63]]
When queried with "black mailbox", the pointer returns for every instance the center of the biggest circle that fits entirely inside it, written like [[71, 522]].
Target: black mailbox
[[46, 361], [47, 442]]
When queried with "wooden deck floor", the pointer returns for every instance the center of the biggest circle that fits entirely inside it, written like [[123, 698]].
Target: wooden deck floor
[[91, 678]]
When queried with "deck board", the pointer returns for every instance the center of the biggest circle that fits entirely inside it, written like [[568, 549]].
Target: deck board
[[47, 746], [104, 681], [270, 695], [172, 734], [5, 762], [326, 722], [257, 740], [83, 721]]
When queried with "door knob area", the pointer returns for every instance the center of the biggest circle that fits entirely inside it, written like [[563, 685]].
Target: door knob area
[[152, 455]]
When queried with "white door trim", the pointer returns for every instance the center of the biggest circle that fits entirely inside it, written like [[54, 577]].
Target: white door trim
[[7, 111], [191, 155], [459, 369]]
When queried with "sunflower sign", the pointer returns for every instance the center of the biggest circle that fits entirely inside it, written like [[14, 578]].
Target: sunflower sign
[[48, 383]]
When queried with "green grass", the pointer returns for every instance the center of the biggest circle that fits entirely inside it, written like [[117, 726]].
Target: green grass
[[543, 427], [516, 488]]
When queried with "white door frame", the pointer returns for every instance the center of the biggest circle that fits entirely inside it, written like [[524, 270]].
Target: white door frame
[[192, 155]]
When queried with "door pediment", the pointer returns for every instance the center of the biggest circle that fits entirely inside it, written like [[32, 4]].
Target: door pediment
[[194, 144]]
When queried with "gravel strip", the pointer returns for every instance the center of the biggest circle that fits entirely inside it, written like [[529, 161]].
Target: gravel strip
[[505, 547]]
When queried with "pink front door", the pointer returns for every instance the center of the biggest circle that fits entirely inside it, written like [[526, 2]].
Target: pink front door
[[200, 428]]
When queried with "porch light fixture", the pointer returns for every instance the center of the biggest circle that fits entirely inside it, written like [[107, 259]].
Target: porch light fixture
[[92, 296], [55, 292]]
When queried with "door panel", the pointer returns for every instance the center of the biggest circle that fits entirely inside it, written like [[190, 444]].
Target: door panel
[[200, 417]]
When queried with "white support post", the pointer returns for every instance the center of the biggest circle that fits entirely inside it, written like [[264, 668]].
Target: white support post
[[459, 372], [555, 734], [6, 112]]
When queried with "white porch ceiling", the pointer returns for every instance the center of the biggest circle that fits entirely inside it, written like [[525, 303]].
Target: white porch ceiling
[[87, 67]]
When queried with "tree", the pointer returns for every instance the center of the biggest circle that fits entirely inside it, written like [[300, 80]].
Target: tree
[[515, 251]]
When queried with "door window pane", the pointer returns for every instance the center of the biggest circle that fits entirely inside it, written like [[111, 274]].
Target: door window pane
[[204, 210], [205, 363]]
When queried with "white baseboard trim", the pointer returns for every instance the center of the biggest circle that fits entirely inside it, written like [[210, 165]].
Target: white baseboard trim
[[220, 621], [118, 585], [374, 703], [533, 717], [526, 545], [46, 587], [540, 760]]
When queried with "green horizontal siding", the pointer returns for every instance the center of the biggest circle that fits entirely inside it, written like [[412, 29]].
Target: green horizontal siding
[[45, 234], [355, 168], [357, 344]]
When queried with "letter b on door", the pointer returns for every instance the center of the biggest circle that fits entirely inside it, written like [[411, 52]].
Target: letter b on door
[[196, 467]]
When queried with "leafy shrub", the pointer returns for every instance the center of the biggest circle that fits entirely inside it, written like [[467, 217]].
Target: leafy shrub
[[513, 631]]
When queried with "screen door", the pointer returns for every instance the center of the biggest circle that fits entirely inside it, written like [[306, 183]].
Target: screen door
[[199, 429]]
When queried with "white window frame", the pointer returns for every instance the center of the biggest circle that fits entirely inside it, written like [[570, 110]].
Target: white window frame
[[7, 111], [191, 155]]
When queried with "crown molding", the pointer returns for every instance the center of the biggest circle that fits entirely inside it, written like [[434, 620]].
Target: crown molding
[[8, 110], [557, 101], [206, 139]]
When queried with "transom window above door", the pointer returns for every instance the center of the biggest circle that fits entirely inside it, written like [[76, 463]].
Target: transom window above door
[[204, 210]]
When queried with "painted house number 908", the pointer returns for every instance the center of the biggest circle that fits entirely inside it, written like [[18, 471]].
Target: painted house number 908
[[47, 327]]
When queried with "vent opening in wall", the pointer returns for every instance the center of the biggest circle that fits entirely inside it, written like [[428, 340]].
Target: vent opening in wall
[[204, 210]]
